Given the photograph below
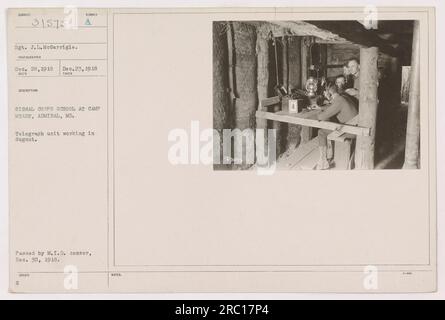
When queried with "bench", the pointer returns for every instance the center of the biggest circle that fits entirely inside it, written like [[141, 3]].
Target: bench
[[344, 143]]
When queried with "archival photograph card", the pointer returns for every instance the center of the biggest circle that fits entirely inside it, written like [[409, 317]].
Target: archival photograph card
[[222, 150]]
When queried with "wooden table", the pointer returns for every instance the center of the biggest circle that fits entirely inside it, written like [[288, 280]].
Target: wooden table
[[309, 118]]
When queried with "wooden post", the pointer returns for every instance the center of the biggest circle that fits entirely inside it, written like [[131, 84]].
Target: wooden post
[[306, 132], [304, 61], [285, 63], [276, 125], [412, 149], [221, 103], [245, 75], [262, 53], [396, 82], [324, 59], [364, 156], [246, 84], [294, 66]]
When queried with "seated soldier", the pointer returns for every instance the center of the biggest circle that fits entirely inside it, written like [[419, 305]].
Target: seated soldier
[[342, 109], [340, 83]]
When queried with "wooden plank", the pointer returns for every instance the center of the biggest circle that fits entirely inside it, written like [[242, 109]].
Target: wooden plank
[[292, 158], [310, 161], [307, 114], [270, 101], [295, 119], [321, 41]]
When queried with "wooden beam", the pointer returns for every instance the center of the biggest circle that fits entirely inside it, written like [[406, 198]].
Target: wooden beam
[[268, 27], [368, 102], [355, 32], [321, 41], [412, 149], [303, 29], [356, 130]]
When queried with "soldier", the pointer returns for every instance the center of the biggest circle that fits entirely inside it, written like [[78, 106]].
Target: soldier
[[343, 108]]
